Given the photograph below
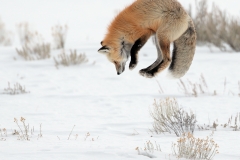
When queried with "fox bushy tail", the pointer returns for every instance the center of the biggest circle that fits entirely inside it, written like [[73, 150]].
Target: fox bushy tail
[[183, 52]]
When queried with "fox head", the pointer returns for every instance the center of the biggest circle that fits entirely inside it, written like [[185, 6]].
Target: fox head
[[118, 54]]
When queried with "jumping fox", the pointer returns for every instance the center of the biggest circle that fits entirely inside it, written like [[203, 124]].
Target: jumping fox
[[166, 21]]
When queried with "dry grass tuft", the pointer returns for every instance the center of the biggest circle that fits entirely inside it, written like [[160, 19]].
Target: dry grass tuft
[[59, 34], [233, 123], [17, 89], [5, 35], [190, 88], [25, 132], [190, 147], [37, 52], [72, 59], [203, 127], [168, 117], [33, 45], [216, 27], [212, 126], [194, 89], [149, 149]]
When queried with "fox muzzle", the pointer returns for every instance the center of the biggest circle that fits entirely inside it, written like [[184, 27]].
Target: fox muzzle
[[120, 68]]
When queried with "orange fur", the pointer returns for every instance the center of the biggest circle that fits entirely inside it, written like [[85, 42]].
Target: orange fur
[[165, 18]]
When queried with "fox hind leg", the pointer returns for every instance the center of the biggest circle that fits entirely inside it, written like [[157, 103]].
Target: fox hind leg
[[163, 60], [159, 58], [135, 48]]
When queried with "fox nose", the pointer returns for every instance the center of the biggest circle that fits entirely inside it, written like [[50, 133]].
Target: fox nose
[[118, 73]]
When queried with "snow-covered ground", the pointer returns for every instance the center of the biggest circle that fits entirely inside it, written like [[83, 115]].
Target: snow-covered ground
[[109, 114]]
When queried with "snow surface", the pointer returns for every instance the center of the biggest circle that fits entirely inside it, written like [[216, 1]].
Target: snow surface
[[113, 109]]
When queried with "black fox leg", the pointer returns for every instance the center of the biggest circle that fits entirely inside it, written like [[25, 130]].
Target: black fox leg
[[135, 48], [149, 68]]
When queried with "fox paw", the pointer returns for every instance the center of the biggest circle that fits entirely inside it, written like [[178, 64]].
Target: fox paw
[[132, 65], [146, 73]]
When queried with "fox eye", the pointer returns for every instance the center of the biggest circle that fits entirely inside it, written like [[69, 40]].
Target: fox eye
[[114, 62]]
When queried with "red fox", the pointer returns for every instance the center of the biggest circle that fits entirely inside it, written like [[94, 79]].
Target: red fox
[[167, 21]]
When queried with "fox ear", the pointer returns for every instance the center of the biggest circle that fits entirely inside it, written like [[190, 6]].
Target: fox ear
[[104, 50]]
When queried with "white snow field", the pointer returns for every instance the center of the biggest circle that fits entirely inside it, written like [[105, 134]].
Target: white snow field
[[88, 112]]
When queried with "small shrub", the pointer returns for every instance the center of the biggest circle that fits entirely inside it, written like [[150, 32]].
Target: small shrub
[[72, 59], [168, 117], [27, 35], [17, 89], [59, 34], [33, 45], [190, 147], [5, 35], [216, 27], [24, 132], [37, 52]]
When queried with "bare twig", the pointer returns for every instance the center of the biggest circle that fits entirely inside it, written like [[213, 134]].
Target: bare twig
[[71, 132], [215, 27]]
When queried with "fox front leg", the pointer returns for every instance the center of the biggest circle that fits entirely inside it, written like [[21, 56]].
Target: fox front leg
[[135, 49]]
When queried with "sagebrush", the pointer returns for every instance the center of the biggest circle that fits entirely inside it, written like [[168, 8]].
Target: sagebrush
[[73, 58], [33, 45], [36, 52], [216, 27], [169, 117], [190, 147]]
